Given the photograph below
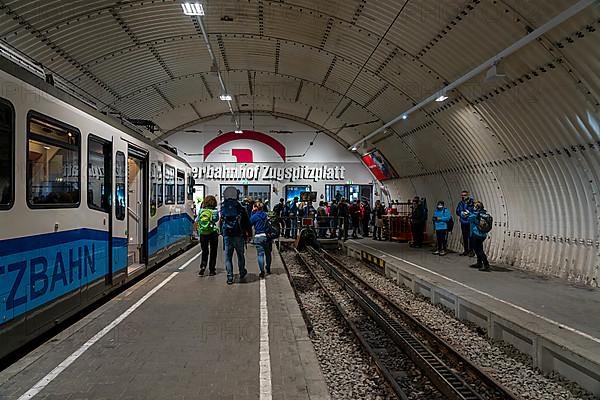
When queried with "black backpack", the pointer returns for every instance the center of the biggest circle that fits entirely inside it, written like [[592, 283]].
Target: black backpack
[[450, 225], [231, 214], [486, 222], [273, 229]]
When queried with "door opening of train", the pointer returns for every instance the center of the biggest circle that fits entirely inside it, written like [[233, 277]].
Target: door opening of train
[[137, 218]]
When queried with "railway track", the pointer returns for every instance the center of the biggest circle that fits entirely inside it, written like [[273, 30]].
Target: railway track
[[453, 376]]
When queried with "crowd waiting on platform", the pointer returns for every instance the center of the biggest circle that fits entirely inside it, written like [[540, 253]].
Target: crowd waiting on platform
[[237, 220]]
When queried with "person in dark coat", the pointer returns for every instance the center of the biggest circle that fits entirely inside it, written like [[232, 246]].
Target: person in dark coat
[[418, 220], [366, 218]]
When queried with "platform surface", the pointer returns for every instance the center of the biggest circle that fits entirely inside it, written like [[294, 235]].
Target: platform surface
[[557, 300], [192, 338]]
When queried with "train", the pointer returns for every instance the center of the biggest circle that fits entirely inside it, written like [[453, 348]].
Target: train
[[87, 204]]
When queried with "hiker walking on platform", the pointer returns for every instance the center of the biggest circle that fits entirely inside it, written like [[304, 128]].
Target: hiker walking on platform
[[209, 234], [262, 240], [235, 228]]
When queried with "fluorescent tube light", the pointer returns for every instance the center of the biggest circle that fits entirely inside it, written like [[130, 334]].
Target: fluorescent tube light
[[442, 98], [193, 9], [226, 97]]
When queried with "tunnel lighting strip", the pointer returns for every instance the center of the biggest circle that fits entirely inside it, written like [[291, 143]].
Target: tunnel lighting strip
[[224, 96], [554, 22]]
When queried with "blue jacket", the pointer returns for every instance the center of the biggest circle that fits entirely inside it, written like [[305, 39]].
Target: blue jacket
[[464, 206], [441, 219], [474, 221], [259, 221]]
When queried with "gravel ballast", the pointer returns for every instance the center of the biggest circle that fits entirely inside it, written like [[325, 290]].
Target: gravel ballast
[[509, 366]]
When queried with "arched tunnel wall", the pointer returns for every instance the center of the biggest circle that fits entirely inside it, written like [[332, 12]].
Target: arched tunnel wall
[[531, 153], [526, 143]]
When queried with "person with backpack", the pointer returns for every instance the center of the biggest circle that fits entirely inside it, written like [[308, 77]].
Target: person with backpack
[[441, 222], [465, 204], [481, 224], [262, 238], [208, 230], [235, 228]]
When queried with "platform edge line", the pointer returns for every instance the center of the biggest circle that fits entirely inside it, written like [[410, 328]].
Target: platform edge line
[[551, 321], [46, 380]]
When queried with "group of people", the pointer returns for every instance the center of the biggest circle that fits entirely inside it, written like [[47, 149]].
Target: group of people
[[331, 219], [236, 223], [475, 225]]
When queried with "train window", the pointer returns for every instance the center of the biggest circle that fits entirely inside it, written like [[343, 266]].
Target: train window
[[180, 187], [169, 185], [120, 200], [153, 188], [53, 163], [159, 184], [7, 155], [99, 182]]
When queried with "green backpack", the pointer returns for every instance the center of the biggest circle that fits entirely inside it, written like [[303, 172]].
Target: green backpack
[[206, 226]]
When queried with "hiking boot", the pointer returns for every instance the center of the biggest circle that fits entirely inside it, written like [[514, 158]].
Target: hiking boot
[[475, 266], [212, 273], [243, 275], [485, 268], [201, 272], [436, 253], [443, 253], [268, 271], [471, 253], [261, 275], [230, 281]]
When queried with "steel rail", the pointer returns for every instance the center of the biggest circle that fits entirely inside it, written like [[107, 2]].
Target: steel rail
[[444, 378], [431, 337], [383, 370]]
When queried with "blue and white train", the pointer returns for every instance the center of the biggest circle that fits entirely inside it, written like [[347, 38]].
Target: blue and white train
[[86, 205]]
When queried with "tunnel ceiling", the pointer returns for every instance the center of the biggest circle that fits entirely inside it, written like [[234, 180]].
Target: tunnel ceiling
[[527, 143], [347, 66]]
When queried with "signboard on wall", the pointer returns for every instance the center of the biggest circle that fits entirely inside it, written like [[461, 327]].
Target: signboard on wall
[[379, 166], [257, 172]]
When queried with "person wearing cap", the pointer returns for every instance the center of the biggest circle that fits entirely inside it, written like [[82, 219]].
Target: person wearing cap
[[465, 204], [441, 218], [235, 228]]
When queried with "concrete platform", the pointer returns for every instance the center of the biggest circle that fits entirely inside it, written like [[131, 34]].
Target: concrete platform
[[557, 324], [176, 335]]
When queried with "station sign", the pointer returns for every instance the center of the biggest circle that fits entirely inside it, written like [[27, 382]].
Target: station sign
[[257, 172]]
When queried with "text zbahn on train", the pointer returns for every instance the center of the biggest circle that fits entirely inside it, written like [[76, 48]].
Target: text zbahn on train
[[85, 205]]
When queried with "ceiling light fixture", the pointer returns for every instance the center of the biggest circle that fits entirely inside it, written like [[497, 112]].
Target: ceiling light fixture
[[193, 9], [239, 131], [354, 148], [405, 116], [226, 97], [442, 98]]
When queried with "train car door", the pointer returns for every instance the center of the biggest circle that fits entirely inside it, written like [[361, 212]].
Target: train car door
[[99, 190], [137, 209], [119, 220]]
